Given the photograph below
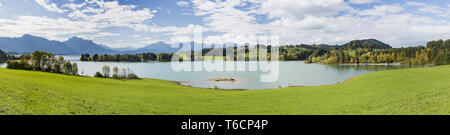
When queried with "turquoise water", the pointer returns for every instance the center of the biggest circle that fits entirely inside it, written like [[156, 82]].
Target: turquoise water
[[291, 73]]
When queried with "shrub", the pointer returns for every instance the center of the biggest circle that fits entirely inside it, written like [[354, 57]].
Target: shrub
[[132, 76], [98, 74]]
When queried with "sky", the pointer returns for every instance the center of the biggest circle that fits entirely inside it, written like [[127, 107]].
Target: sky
[[136, 23]]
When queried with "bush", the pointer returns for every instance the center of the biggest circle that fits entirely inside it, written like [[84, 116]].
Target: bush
[[98, 74], [10, 64], [132, 76]]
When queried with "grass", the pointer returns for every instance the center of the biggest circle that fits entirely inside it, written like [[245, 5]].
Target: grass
[[404, 91]]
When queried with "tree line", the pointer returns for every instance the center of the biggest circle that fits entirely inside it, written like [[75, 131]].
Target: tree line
[[143, 57], [287, 53], [354, 52], [43, 61], [116, 73], [436, 52], [5, 57]]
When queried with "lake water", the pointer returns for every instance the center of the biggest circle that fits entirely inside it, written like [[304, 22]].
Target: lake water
[[291, 73]]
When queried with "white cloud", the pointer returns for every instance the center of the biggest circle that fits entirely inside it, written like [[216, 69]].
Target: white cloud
[[294, 21], [1, 4], [50, 6], [169, 30], [225, 17], [363, 1], [318, 22], [382, 10], [412, 3], [299, 9], [91, 16], [44, 26], [74, 6], [182, 3], [430, 9], [98, 35], [110, 13], [135, 36]]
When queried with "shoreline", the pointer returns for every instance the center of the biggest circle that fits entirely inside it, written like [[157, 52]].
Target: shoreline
[[373, 64], [275, 88], [180, 83], [293, 86]]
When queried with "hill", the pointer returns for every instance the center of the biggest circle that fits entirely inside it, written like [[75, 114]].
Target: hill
[[366, 43], [82, 46], [158, 47], [404, 91], [28, 44]]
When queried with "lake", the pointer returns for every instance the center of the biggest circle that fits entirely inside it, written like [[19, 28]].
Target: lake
[[291, 73]]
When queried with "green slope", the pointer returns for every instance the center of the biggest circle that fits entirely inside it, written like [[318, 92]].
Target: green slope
[[405, 91]]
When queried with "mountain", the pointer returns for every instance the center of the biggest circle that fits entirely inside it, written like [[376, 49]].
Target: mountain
[[366, 43], [81, 46], [158, 47], [28, 44], [123, 49], [75, 45]]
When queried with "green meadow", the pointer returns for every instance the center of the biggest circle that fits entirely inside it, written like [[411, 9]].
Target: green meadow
[[403, 91]]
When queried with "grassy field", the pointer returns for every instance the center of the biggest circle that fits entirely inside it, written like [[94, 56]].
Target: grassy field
[[405, 91]]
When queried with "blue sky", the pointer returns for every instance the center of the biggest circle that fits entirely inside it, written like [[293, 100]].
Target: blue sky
[[136, 23]]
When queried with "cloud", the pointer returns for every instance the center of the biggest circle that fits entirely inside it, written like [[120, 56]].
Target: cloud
[[50, 6], [169, 30], [44, 26], [411, 3], [86, 17], [299, 9], [98, 35], [109, 13], [135, 35], [91, 16], [225, 17], [182, 3], [430, 9], [294, 21], [382, 10], [363, 1], [330, 22], [1, 4]]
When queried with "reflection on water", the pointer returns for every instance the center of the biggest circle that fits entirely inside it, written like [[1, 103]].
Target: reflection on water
[[371, 67], [291, 73]]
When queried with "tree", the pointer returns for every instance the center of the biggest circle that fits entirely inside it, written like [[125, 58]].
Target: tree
[[115, 72], [74, 69], [57, 63], [124, 73], [36, 60], [67, 68], [106, 70]]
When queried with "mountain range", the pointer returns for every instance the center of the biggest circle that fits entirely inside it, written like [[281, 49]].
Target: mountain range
[[75, 46]]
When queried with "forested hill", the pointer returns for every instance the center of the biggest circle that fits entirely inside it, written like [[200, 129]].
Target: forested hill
[[4, 57], [366, 43], [435, 53]]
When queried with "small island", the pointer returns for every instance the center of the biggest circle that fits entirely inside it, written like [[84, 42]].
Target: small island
[[223, 79]]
